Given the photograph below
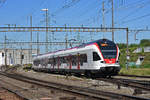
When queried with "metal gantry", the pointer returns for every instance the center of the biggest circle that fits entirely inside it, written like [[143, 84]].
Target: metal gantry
[[65, 29], [59, 29], [37, 43]]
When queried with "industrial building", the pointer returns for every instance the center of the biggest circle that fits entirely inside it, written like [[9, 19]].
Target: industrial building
[[16, 56]]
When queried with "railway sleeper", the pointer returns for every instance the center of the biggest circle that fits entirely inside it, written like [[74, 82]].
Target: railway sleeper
[[137, 91]]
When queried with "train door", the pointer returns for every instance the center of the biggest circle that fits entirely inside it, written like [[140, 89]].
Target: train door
[[50, 63], [68, 62], [83, 61], [89, 59]]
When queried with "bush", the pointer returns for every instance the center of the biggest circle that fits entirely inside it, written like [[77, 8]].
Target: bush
[[145, 66]]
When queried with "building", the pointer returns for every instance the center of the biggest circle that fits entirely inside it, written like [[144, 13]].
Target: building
[[144, 49], [16, 56]]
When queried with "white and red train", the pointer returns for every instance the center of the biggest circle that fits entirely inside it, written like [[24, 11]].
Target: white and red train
[[97, 58]]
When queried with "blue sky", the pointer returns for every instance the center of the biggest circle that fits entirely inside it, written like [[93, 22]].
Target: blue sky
[[133, 14]]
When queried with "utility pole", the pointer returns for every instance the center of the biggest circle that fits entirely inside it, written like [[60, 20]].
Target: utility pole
[[135, 35], [128, 57], [91, 35], [112, 20], [46, 17], [21, 56], [30, 44], [103, 15], [78, 38], [30, 53], [37, 43], [66, 38], [103, 18], [5, 50]]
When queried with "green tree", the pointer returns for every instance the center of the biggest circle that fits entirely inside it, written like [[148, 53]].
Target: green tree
[[121, 45], [145, 42]]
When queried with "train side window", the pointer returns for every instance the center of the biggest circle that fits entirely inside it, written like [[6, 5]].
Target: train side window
[[96, 57], [2, 54], [54, 61], [83, 58], [74, 60], [36, 62], [50, 61]]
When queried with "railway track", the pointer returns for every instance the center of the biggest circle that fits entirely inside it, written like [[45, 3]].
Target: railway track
[[134, 76], [91, 93], [16, 94], [21, 91], [138, 84]]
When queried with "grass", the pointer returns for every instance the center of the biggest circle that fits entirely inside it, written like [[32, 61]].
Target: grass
[[134, 57], [135, 71]]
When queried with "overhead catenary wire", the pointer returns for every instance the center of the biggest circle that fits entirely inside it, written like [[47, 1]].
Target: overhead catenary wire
[[143, 5], [2, 3], [66, 6], [134, 19]]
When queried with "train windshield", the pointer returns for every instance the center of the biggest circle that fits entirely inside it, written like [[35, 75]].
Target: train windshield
[[108, 49]]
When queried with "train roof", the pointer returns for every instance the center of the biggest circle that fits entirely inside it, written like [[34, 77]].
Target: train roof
[[82, 45], [98, 41]]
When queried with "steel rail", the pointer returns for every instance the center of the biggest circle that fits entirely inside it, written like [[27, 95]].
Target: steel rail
[[97, 94], [15, 92], [52, 85], [144, 85], [18, 89], [134, 76]]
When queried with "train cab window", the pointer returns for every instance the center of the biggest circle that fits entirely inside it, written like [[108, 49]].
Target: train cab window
[[96, 57]]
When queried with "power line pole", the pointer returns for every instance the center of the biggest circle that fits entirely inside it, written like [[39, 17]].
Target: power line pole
[[112, 20], [5, 50], [21, 56], [30, 53], [78, 38], [66, 38], [52, 38], [103, 15], [47, 29], [46, 22], [37, 43], [128, 57], [103, 18]]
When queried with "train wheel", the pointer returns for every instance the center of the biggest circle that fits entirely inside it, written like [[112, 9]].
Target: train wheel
[[109, 76]]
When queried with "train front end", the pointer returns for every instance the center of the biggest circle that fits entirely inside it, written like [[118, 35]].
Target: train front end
[[109, 52]]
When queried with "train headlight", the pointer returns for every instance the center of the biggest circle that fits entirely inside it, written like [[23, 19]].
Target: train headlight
[[117, 61]]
